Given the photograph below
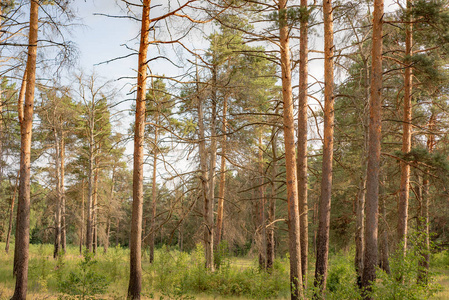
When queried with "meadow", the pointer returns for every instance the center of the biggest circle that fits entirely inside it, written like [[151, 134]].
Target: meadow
[[181, 275]]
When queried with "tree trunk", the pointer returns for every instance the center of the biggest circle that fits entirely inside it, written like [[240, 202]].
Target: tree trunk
[[360, 226], [62, 191], [212, 166], [272, 208], [261, 213], [108, 233], [90, 178], [423, 215], [11, 213], [302, 143], [57, 243], [328, 148], [406, 139], [135, 279], [384, 252], [374, 141], [361, 195], [23, 205], [108, 221], [153, 198], [95, 209], [82, 219], [290, 159], [222, 185], [116, 232]]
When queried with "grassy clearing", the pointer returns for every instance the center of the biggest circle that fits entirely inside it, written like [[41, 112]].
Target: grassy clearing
[[177, 275]]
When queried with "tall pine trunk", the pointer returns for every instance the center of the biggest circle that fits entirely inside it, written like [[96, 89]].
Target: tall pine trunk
[[23, 206], [302, 142], [290, 156], [406, 139], [135, 278], [322, 252], [374, 141]]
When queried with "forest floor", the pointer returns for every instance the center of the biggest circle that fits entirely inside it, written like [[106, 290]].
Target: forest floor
[[176, 275]]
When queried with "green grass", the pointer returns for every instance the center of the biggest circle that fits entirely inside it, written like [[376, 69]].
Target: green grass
[[179, 275]]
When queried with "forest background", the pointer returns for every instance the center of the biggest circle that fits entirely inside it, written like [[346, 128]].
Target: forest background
[[249, 118]]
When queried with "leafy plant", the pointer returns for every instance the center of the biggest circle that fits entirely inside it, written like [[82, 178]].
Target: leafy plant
[[85, 282]]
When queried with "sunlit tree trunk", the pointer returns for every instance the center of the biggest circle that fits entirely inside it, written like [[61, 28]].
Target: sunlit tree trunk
[[322, 252], [23, 205], [135, 279], [374, 140], [290, 156], [406, 139]]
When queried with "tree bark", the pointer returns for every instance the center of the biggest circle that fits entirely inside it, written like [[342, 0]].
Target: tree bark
[[272, 208], [208, 243], [374, 145], [23, 206], [423, 214], [290, 156], [212, 166], [90, 178], [328, 148], [58, 210], [261, 213], [384, 251], [95, 209], [11, 213], [153, 198], [361, 195], [222, 185], [62, 191], [406, 140], [82, 219], [302, 143], [135, 279]]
